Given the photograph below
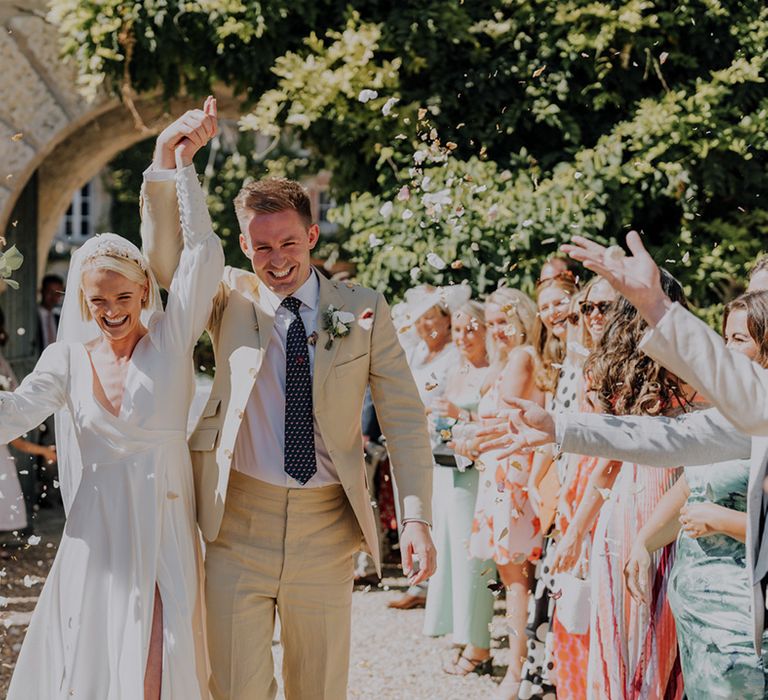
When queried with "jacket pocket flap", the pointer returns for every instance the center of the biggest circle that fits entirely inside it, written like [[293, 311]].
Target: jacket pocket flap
[[203, 439], [211, 408]]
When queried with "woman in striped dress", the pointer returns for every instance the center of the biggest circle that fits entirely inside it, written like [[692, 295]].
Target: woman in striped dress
[[633, 648]]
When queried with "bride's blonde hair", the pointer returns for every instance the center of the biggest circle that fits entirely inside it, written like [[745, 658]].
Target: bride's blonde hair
[[129, 268]]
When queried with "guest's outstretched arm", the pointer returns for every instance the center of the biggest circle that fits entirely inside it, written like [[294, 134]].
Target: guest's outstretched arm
[[678, 340], [698, 438]]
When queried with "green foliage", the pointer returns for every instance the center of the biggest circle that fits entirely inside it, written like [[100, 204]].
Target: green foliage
[[533, 119], [10, 261], [225, 164]]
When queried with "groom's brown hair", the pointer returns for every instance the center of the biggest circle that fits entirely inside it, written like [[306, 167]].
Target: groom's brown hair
[[270, 196]]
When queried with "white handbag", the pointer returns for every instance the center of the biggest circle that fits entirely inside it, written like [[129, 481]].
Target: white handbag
[[574, 605]]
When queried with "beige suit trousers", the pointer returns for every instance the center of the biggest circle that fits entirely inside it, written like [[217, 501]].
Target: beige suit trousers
[[288, 550]]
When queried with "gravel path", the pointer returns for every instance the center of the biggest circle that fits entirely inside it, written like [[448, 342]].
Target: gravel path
[[391, 659]]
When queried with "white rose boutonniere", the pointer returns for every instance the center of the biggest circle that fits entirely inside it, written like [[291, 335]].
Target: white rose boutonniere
[[336, 324]]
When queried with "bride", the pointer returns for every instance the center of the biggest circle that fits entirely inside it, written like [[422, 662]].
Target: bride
[[120, 616]]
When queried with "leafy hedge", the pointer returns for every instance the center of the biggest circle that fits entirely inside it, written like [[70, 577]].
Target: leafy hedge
[[511, 125]]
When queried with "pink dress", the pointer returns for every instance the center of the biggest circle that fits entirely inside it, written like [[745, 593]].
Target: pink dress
[[633, 648], [504, 527]]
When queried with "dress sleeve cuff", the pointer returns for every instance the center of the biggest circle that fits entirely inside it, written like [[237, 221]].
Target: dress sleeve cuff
[[159, 175]]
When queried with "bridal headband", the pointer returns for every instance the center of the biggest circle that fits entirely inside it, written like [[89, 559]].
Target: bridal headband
[[110, 244]]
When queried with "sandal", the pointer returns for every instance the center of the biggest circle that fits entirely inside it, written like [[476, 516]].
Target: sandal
[[463, 665]]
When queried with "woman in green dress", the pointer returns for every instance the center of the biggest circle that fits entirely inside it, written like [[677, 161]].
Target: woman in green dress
[[459, 602], [709, 590]]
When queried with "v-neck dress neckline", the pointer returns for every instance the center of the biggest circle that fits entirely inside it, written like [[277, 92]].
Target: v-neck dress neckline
[[126, 383]]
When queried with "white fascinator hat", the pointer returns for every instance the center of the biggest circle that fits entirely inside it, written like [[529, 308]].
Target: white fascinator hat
[[448, 298]]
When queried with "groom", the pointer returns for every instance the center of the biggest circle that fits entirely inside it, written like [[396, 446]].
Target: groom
[[280, 478]]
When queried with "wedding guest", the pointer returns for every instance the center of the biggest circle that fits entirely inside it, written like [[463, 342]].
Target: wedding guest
[[45, 473], [48, 310], [553, 300], [13, 514], [554, 266], [459, 601], [504, 527], [428, 310], [120, 614], [695, 438], [633, 649], [709, 589], [570, 622], [758, 276]]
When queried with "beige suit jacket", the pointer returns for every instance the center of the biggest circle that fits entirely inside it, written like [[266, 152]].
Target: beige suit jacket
[[241, 329], [736, 386]]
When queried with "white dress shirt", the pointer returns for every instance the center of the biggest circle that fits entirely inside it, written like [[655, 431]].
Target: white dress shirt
[[259, 445]]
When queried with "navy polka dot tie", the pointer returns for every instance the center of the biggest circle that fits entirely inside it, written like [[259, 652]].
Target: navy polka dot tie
[[299, 445]]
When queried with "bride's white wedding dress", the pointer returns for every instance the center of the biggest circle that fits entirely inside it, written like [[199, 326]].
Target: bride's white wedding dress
[[131, 515]]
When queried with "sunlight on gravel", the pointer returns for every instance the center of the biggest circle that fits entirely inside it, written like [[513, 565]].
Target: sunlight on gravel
[[391, 659]]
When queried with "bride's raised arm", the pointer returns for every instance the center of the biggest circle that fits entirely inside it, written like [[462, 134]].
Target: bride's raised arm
[[196, 276], [200, 268], [43, 392]]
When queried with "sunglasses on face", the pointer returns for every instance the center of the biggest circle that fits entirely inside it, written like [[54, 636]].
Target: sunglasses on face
[[587, 307]]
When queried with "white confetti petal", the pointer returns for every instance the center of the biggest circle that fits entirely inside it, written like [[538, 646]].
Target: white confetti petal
[[386, 110], [367, 95], [436, 261]]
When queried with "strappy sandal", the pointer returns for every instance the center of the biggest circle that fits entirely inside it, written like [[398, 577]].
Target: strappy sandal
[[464, 665]]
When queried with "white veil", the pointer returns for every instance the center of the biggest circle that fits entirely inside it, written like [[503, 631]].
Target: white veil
[[73, 328]]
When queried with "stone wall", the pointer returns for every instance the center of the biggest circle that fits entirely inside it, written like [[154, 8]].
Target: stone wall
[[47, 127]]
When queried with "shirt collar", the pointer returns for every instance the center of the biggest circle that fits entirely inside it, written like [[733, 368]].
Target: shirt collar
[[308, 294]]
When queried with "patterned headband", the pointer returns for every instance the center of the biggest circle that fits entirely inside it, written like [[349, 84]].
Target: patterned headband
[[112, 245]]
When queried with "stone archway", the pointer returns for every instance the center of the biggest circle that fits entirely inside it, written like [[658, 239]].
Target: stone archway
[[46, 127], [53, 141]]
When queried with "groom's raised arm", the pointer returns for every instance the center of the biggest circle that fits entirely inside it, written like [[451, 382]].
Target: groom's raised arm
[[160, 224], [161, 236]]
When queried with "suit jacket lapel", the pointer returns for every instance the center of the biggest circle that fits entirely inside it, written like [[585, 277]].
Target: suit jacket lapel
[[329, 296]]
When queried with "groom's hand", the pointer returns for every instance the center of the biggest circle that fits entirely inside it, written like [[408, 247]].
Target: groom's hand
[[416, 540], [637, 276], [188, 134]]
